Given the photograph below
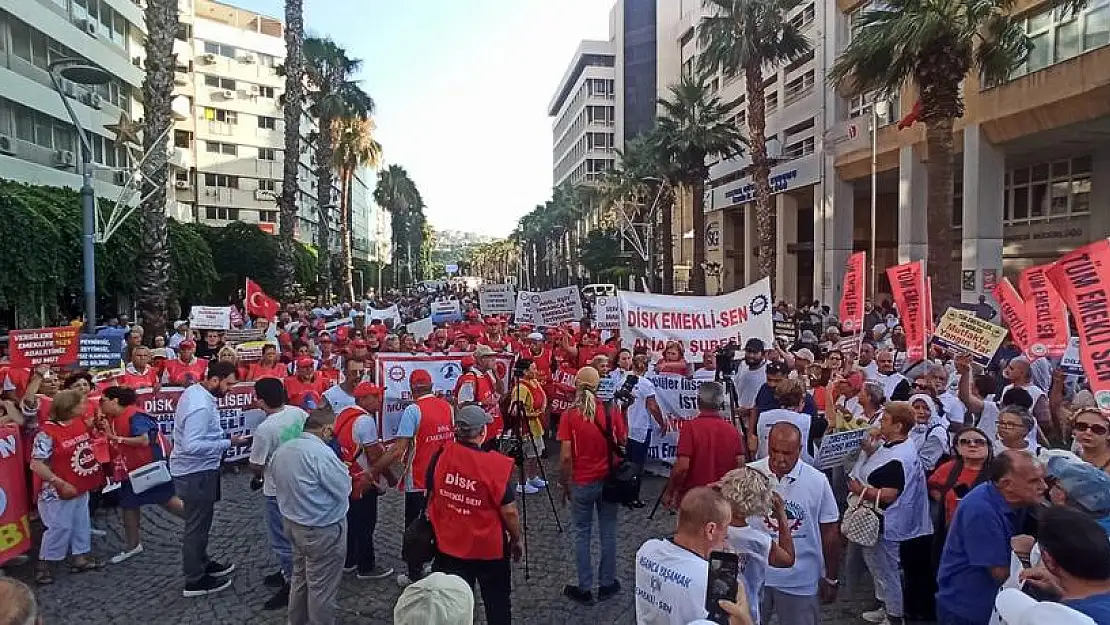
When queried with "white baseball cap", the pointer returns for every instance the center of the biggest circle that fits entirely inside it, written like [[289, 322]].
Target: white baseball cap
[[438, 599], [1017, 608]]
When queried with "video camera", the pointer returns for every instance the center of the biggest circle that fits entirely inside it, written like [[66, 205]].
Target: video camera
[[624, 393], [725, 359]]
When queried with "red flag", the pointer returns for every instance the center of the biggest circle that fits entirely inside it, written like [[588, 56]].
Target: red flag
[[851, 303], [1046, 313], [1082, 278], [911, 117], [907, 282], [1014, 312], [258, 303]]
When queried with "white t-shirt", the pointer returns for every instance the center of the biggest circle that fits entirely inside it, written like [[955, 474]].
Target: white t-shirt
[[771, 417], [870, 370], [339, 398], [365, 432], [276, 429], [754, 548], [954, 409], [640, 421], [809, 503], [748, 381], [670, 584], [988, 422]]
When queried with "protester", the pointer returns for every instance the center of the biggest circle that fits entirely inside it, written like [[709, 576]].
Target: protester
[[765, 399], [894, 384], [186, 369], [750, 376], [929, 433], [479, 385], [790, 395], [1075, 562], [180, 333], [1019, 374], [139, 373], [644, 417], [313, 487], [305, 388], [341, 396], [708, 446], [527, 397], [1091, 428], [1014, 426], [672, 361], [954, 478]]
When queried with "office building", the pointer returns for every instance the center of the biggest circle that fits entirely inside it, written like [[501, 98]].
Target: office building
[[584, 116]]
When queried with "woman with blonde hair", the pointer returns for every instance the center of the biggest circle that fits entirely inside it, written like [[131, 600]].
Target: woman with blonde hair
[[673, 360], [1091, 428], [228, 353], [590, 436], [750, 493]]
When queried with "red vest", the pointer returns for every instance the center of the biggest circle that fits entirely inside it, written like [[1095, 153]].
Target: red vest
[[259, 371], [298, 390], [133, 457], [139, 380], [435, 429], [348, 448], [465, 509], [73, 459], [181, 374]]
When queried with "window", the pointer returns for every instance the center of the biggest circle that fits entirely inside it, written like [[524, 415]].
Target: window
[[266, 60], [804, 17], [269, 217], [218, 82], [266, 92], [958, 200], [267, 154], [182, 139], [212, 147], [1058, 35], [221, 180], [265, 184], [225, 214], [220, 115], [854, 19], [798, 149], [771, 102], [1048, 190], [268, 123], [798, 88], [211, 47], [21, 39], [230, 149]]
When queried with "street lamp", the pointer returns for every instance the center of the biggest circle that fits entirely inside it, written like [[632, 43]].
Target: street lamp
[[83, 73], [878, 109]]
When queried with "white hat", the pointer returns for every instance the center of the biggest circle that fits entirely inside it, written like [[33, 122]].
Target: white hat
[[535, 336], [180, 322], [438, 599], [1017, 608]]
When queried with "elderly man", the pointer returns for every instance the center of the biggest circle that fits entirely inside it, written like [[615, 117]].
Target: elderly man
[[895, 385], [976, 556], [1019, 374], [708, 446], [867, 362]]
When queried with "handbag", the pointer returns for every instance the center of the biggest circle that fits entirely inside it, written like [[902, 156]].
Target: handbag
[[152, 474], [622, 484], [863, 521], [418, 545]]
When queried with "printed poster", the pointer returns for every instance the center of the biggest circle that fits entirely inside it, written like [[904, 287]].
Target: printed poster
[[907, 281], [551, 308], [446, 311], [838, 448], [496, 299], [210, 317], [964, 331], [99, 352], [523, 313], [1082, 278], [44, 346], [1071, 364], [1046, 313], [607, 313], [390, 316]]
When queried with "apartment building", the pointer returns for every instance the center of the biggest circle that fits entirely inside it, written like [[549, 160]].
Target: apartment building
[[38, 143], [584, 116]]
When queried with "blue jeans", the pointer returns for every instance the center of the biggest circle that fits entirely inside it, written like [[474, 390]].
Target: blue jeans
[[584, 497], [637, 452], [279, 542]]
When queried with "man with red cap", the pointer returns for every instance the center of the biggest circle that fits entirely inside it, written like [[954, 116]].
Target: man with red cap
[[461, 342], [473, 327], [479, 385], [328, 358], [186, 369], [493, 336], [360, 349], [360, 447], [438, 342], [305, 388]]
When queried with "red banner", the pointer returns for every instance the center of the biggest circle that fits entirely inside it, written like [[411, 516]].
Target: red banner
[[1082, 278], [15, 525], [1014, 312], [930, 324], [851, 303], [44, 346], [1045, 313], [907, 282]]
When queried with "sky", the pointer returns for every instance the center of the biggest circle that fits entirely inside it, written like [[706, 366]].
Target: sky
[[462, 89]]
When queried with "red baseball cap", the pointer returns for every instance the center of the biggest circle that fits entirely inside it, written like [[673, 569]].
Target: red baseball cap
[[305, 361], [467, 361], [366, 389], [359, 343], [420, 376], [190, 344]]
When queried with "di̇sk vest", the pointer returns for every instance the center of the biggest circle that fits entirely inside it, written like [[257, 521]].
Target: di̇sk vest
[[73, 459], [435, 429], [133, 457], [465, 507], [180, 373], [348, 448]]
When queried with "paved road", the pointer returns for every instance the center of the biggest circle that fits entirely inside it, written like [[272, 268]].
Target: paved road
[[147, 588]]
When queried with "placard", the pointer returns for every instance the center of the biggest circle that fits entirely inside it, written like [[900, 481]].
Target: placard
[[335, 324], [445, 311], [851, 302], [1082, 278], [607, 313], [235, 336], [390, 316], [523, 312], [1071, 363], [963, 331], [557, 306], [238, 416], [210, 317], [496, 299], [1046, 313], [421, 329], [44, 346], [838, 448], [787, 331], [99, 352], [907, 281]]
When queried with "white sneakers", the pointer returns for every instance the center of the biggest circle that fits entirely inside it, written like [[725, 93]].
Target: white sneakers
[[125, 555], [536, 482], [526, 488], [875, 616]]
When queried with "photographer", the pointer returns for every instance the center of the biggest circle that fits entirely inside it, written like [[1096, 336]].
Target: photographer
[[643, 414], [528, 397]]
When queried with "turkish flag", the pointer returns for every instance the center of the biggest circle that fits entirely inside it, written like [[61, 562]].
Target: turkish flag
[[258, 303]]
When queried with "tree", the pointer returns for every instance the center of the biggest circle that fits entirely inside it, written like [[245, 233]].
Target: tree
[[602, 257], [694, 126], [332, 95], [935, 45], [293, 103], [397, 193], [154, 254], [746, 37], [355, 147]]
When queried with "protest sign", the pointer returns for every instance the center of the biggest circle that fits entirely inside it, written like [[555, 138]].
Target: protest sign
[[99, 352], [907, 281], [496, 299], [422, 329], [15, 522], [677, 397], [335, 324], [523, 312], [786, 331], [607, 313], [550, 308], [1070, 363], [44, 346], [698, 324], [963, 331], [236, 336], [210, 317], [838, 447], [1013, 311], [1082, 278], [1046, 313], [391, 316], [445, 311], [236, 412], [851, 303], [251, 350]]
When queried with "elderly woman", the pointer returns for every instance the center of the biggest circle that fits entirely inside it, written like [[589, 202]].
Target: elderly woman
[[672, 360], [1014, 425], [889, 472], [929, 433], [228, 354], [1091, 428], [871, 401]]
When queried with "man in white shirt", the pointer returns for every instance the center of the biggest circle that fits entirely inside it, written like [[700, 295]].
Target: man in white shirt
[[750, 376], [671, 574], [896, 387], [282, 424], [1020, 375], [341, 396], [812, 512], [867, 363]]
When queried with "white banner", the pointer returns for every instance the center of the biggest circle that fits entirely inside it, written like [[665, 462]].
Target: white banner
[[332, 326], [839, 448], [678, 400], [421, 329], [607, 313], [210, 317], [550, 308], [698, 323], [391, 316], [496, 299], [1070, 363], [523, 312], [446, 310]]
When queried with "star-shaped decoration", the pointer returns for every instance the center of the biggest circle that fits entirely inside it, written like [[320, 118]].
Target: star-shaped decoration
[[126, 130]]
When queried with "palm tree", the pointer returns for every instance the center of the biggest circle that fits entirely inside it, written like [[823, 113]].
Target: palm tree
[[355, 147], [694, 126], [332, 95], [293, 102], [153, 282], [397, 193], [745, 37], [935, 45]]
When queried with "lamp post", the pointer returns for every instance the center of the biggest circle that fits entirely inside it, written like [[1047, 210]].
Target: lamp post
[[81, 72], [878, 109]]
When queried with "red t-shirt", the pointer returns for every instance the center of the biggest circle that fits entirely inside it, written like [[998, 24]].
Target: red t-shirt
[[712, 445], [590, 449]]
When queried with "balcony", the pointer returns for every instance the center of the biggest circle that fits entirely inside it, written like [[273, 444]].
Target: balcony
[[181, 158]]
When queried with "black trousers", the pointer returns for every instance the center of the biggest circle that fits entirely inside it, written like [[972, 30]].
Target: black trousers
[[362, 518], [919, 578], [414, 503], [493, 576]]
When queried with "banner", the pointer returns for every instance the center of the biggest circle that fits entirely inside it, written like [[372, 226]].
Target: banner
[[964, 331], [44, 346], [496, 299], [907, 281], [335, 324], [15, 522], [236, 336], [446, 311], [699, 324], [391, 316], [837, 448], [607, 313], [1013, 311], [523, 312], [1071, 363], [1082, 278], [238, 416], [550, 308], [677, 397], [851, 303], [99, 352], [1046, 313], [210, 317], [422, 329]]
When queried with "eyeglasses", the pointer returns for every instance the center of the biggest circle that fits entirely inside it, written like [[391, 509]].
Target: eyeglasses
[[1007, 424], [1095, 428], [973, 442]]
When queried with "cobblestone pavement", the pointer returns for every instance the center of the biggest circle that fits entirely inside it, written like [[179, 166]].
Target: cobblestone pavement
[[147, 588]]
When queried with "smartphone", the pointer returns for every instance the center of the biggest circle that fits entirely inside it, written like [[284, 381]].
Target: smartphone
[[724, 571]]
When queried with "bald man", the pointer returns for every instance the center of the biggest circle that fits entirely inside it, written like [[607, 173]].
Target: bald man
[[17, 603]]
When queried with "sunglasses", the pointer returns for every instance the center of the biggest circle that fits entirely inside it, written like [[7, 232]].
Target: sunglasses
[[973, 442], [1096, 428]]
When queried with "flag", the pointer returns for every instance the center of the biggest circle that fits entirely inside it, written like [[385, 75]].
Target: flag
[[907, 282], [1082, 278], [1046, 313], [1014, 312], [851, 303], [258, 303], [911, 117]]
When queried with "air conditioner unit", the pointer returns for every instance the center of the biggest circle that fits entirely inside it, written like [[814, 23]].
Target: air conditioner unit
[[92, 99], [247, 59], [181, 184], [262, 195], [227, 94], [89, 26], [69, 88], [180, 80], [208, 59], [7, 146], [120, 178], [64, 158]]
